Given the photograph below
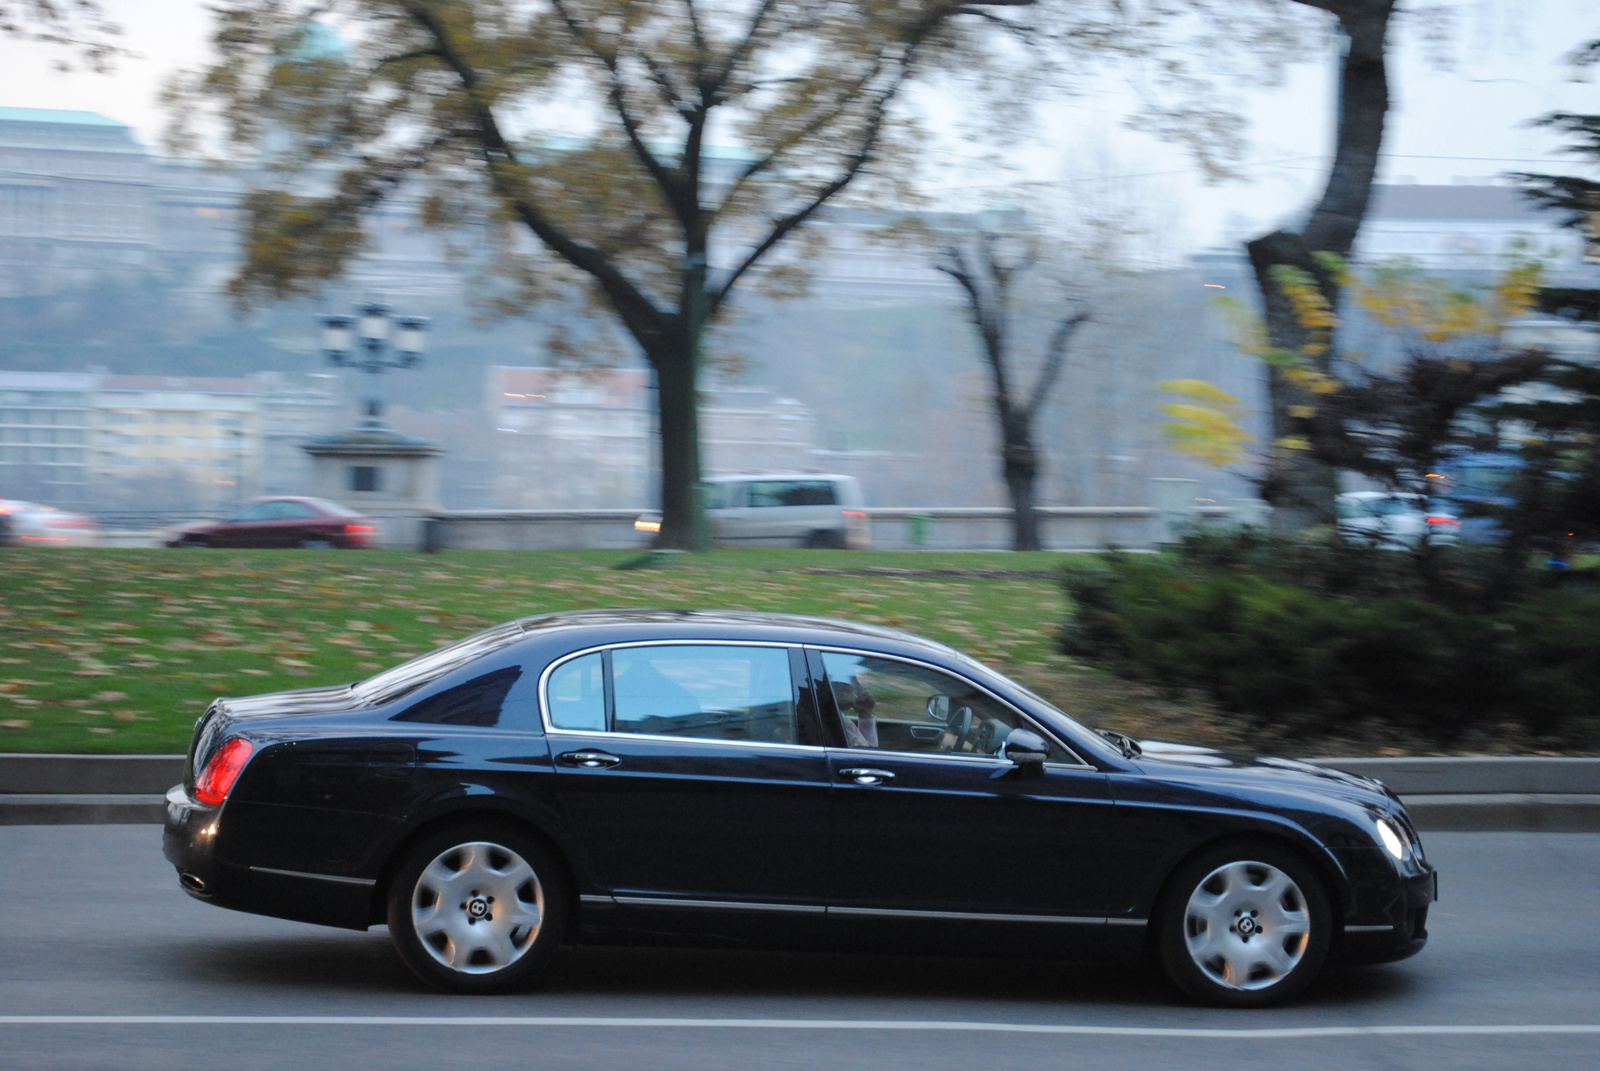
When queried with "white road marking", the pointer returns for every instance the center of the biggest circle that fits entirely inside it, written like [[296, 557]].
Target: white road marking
[[1255, 1033]]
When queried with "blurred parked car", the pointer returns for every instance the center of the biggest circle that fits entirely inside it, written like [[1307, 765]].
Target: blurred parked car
[[30, 524], [281, 522], [1394, 520], [783, 510]]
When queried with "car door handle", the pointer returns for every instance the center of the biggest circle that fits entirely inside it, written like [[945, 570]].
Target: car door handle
[[864, 776], [590, 760]]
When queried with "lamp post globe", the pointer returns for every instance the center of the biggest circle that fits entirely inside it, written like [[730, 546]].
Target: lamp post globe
[[374, 341]]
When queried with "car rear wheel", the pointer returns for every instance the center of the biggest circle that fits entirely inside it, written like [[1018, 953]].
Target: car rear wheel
[[1244, 925], [826, 539], [315, 543], [193, 541], [477, 909]]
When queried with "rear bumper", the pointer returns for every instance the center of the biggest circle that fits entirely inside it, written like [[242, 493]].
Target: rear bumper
[[189, 841]]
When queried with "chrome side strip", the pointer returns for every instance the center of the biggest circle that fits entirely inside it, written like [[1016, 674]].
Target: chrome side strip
[[861, 912], [725, 905], [960, 916], [365, 882], [1369, 929]]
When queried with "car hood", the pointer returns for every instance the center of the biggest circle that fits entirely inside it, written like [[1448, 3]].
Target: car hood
[[300, 701], [1263, 771]]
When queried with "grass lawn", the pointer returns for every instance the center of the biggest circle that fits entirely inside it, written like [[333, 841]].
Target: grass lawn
[[119, 651]]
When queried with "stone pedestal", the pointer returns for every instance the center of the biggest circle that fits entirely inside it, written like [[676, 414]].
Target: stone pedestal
[[383, 474]]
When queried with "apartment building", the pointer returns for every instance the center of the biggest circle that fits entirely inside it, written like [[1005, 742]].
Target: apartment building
[[586, 440], [109, 442]]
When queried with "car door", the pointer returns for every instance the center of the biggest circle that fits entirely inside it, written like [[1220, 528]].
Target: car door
[[244, 529], [694, 774], [929, 825]]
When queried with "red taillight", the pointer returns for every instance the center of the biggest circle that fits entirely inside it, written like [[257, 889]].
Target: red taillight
[[852, 513], [1444, 520], [358, 528], [216, 781]]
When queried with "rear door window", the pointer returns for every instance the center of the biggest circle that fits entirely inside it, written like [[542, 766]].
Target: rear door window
[[703, 691], [792, 493]]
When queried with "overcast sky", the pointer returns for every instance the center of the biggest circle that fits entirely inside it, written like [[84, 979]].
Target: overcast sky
[[1445, 126]]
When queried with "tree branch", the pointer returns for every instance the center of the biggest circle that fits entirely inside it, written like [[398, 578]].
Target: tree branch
[[638, 313], [1055, 359]]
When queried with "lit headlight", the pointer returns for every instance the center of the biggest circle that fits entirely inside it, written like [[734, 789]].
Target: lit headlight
[[1392, 838]]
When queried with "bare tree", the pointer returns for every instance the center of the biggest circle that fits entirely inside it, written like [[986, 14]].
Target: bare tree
[[1300, 486], [989, 265]]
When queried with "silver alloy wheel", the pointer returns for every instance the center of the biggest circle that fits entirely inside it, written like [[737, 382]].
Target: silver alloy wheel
[[1247, 925], [477, 907]]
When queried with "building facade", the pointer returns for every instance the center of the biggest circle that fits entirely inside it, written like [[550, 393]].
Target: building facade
[[161, 443]]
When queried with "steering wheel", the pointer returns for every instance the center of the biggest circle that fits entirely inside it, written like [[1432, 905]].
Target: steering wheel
[[984, 744], [961, 726]]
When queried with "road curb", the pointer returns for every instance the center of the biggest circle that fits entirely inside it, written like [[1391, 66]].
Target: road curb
[[1513, 794], [81, 809]]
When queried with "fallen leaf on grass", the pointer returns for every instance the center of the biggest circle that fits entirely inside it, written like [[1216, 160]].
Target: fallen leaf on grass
[[257, 672], [124, 715], [130, 640], [110, 697], [100, 729], [15, 723]]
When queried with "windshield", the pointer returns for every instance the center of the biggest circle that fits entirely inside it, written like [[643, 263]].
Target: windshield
[[394, 683]]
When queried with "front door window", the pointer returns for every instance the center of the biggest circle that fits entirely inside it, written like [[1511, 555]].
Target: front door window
[[904, 706]]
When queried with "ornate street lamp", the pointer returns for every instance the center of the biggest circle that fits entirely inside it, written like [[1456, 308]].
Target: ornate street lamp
[[374, 326]]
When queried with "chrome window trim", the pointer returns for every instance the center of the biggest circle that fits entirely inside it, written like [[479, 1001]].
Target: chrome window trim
[[1026, 719], [553, 730], [568, 733], [1386, 928]]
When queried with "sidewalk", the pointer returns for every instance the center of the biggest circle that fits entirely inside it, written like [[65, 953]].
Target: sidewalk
[[1554, 795]]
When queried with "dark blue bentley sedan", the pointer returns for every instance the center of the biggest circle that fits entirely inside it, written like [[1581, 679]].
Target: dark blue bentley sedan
[[759, 780]]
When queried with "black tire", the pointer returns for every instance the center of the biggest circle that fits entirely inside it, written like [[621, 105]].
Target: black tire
[[825, 539], [501, 867], [193, 541], [317, 544], [1271, 957]]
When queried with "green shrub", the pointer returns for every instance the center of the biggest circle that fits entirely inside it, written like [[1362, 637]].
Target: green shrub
[[1312, 641]]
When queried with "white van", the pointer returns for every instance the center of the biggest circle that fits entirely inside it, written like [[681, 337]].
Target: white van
[[785, 509]]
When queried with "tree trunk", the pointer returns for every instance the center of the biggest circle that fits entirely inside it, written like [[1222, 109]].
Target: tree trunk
[[1019, 466], [1300, 487], [682, 515]]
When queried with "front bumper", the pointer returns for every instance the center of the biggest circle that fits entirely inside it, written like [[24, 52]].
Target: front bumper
[[1403, 930]]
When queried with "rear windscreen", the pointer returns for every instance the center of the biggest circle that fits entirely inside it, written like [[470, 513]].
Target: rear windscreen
[[403, 679]]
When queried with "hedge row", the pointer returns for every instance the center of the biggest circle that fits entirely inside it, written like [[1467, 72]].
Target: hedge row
[[1318, 641]]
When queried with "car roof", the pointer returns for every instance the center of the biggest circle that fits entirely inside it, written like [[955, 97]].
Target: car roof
[[746, 476], [1369, 495], [729, 624]]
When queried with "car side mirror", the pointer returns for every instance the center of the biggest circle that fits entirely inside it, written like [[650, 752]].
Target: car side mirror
[[939, 708], [1027, 750]]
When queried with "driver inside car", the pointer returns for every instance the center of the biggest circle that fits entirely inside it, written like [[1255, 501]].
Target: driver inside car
[[853, 697]]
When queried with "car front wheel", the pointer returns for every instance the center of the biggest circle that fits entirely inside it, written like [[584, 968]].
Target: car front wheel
[[1245, 925], [477, 910]]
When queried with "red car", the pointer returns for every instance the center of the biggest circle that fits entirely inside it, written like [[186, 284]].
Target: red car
[[281, 522]]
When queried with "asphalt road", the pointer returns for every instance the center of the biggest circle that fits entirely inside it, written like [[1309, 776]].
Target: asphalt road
[[97, 944]]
